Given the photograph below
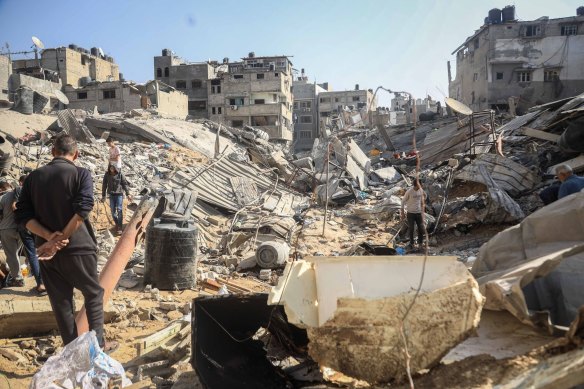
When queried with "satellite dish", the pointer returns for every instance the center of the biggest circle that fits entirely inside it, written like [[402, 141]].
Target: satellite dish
[[61, 96], [100, 51], [38, 43], [457, 106]]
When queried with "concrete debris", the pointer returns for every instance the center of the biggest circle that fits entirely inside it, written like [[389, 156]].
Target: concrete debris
[[339, 300]]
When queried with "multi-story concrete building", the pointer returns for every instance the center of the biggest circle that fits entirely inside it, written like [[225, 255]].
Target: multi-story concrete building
[[72, 65], [256, 91], [305, 108], [533, 61], [5, 72], [335, 101], [191, 78]]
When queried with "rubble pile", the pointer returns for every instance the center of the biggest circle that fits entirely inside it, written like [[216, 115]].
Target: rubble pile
[[311, 226]]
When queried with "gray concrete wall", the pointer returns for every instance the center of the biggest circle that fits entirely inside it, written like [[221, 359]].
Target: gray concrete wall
[[43, 87], [5, 72]]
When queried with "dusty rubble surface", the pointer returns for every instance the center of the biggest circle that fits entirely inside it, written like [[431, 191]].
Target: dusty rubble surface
[[251, 192]]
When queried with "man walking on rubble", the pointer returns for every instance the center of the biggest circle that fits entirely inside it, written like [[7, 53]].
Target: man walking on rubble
[[54, 204], [28, 243], [115, 184], [414, 204], [571, 183], [9, 235]]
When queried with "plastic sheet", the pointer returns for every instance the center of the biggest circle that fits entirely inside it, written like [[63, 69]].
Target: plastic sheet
[[81, 363]]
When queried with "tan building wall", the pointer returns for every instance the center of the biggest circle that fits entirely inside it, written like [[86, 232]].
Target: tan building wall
[[173, 104], [113, 96], [72, 66], [5, 72]]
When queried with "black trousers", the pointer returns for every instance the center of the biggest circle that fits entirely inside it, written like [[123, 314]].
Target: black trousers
[[61, 275], [416, 219]]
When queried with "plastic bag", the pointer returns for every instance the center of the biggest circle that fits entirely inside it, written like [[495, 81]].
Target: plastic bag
[[81, 363]]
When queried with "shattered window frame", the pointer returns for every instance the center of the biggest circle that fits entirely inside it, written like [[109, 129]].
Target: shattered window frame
[[569, 29], [181, 84], [158, 72], [499, 75], [523, 76], [475, 77], [296, 105], [325, 99], [81, 95], [237, 101], [551, 75], [305, 134], [259, 101], [196, 84], [306, 119], [532, 30], [238, 76], [260, 76], [356, 98], [109, 94], [219, 111]]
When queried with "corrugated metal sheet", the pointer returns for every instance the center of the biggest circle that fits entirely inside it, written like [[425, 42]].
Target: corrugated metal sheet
[[214, 185]]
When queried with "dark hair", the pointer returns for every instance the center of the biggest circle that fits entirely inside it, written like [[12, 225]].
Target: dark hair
[[22, 178], [65, 145], [4, 185], [109, 139]]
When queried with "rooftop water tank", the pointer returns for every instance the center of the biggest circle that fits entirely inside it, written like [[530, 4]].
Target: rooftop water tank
[[166, 52], [580, 11], [251, 54], [495, 16], [508, 13], [94, 51]]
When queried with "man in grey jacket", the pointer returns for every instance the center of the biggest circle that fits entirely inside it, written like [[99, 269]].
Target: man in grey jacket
[[115, 184]]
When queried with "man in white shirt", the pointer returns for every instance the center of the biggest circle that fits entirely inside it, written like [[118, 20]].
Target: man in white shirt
[[115, 156], [414, 204]]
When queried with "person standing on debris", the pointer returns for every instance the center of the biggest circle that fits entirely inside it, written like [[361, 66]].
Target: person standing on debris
[[54, 204], [115, 184], [9, 235], [414, 204], [571, 183], [29, 246], [115, 155]]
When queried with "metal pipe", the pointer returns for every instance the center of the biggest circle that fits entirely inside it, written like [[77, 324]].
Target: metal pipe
[[113, 269]]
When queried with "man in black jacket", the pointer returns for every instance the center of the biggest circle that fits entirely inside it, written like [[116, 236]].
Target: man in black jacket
[[115, 184], [54, 204]]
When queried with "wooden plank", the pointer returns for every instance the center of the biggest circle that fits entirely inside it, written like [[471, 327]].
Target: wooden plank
[[153, 341], [540, 134], [577, 164]]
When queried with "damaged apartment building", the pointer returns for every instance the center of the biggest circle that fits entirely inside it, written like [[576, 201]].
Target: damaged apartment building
[[508, 63], [306, 122], [122, 96], [257, 91], [191, 78]]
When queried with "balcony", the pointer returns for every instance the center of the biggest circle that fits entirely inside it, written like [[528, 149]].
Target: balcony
[[275, 109]]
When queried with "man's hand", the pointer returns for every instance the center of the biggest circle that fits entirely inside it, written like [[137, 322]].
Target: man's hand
[[48, 249], [402, 215]]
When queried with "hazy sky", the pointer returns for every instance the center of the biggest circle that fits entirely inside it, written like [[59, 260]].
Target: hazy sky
[[402, 45]]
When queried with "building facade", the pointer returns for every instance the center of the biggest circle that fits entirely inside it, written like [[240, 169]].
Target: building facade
[[191, 78], [257, 92], [121, 96], [533, 62], [305, 113], [71, 65], [336, 101]]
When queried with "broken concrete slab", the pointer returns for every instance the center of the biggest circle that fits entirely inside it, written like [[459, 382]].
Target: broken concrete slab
[[352, 308]]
